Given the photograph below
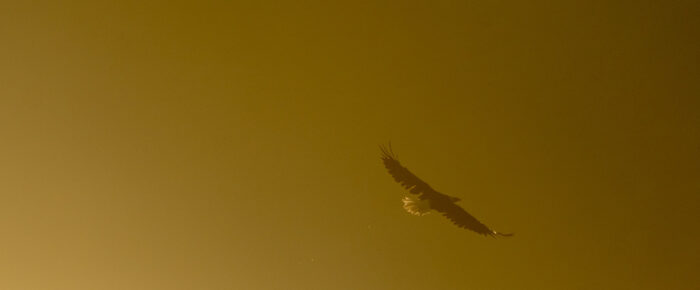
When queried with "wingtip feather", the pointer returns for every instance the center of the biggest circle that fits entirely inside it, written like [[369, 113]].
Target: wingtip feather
[[495, 233]]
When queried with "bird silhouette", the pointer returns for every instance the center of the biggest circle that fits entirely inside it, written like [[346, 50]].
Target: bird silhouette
[[429, 199]]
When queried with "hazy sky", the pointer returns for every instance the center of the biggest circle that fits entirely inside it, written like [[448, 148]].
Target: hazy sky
[[235, 146]]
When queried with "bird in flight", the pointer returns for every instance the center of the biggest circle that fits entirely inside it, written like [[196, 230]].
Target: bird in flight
[[429, 199]]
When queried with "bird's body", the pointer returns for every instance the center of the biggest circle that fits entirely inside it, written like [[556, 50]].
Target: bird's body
[[428, 199]]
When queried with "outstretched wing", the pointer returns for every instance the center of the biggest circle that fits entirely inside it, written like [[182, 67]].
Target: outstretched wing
[[401, 174], [463, 219]]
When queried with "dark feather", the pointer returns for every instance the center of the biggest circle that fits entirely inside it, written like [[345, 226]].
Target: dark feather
[[463, 219], [401, 174]]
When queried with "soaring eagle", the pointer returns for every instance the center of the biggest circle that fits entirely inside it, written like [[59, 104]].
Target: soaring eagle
[[429, 199]]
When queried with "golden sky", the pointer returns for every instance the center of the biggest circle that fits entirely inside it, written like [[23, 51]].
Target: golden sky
[[234, 145]]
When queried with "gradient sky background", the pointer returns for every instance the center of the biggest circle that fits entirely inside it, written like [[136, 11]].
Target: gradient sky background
[[170, 145]]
